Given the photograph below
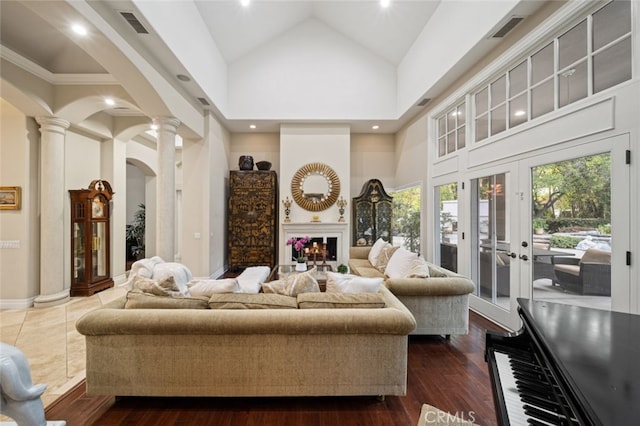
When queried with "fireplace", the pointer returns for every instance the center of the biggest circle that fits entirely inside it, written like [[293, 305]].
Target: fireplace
[[315, 248], [334, 235]]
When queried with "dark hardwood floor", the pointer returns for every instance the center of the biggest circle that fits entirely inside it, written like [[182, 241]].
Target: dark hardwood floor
[[450, 375]]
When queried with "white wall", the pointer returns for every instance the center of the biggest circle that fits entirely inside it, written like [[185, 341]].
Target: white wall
[[135, 190], [372, 156], [293, 77], [19, 148]]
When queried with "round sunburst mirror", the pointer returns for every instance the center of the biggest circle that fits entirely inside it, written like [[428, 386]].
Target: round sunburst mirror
[[315, 187]]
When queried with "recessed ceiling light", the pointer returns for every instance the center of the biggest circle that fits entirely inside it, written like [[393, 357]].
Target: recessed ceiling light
[[183, 77], [245, 3], [79, 29], [154, 127], [519, 113], [375, 127], [385, 3], [252, 126], [109, 101]]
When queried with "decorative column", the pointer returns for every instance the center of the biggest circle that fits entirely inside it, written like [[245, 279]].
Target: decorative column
[[166, 187], [52, 199]]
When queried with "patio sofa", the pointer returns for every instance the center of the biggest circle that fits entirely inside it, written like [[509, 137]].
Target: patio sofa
[[439, 303], [589, 275], [239, 344]]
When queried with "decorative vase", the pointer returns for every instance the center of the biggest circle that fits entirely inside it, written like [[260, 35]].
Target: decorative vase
[[245, 162], [301, 266]]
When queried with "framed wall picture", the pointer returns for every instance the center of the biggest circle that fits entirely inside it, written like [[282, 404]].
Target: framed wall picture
[[10, 198]]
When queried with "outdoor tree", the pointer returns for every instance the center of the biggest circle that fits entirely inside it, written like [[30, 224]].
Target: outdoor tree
[[406, 217]]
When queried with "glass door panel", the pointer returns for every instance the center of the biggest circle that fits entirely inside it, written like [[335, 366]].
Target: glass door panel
[[492, 264], [99, 249], [447, 202]]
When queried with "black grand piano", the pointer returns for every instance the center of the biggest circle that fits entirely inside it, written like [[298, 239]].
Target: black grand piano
[[567, 365]]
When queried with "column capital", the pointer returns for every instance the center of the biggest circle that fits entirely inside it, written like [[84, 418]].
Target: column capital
[[167, 123], [52, 124]]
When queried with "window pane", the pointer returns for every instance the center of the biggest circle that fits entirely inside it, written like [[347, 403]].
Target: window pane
[[518, 110], [451, 142], [482, 101], [572, 84], [482, 127], [542, 99], [451, 120], [518, 79], [442, 126], [498, 91], [442, 146], [461, 138], [498, 120], [612, 66], [573, 44], [542, 64], [611, 22], [461, 115]]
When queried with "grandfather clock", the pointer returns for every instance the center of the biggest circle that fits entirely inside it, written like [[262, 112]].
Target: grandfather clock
[[90, 242], [371, 214]]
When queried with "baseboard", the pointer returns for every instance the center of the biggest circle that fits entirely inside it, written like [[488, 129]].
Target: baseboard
[[17, 303]]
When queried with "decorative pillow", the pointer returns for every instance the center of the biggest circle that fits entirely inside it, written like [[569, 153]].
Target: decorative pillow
[[165, 287], [294, 284], [400, 263], [347, 283], [251, 279], [276, 287], [252, 301], [419, 268], [384, 257], [375, 251], [340, 300], [136, 299], [209, 287]]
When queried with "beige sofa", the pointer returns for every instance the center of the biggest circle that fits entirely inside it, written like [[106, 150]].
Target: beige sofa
[[247, 352], [440, 303]]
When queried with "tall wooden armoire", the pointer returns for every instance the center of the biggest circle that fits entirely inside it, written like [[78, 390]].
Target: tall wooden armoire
[[253, 219], [372, 214], [90, 240]]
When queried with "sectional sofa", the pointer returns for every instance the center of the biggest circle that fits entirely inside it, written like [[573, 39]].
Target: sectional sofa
[[248, 345], [439, 303]]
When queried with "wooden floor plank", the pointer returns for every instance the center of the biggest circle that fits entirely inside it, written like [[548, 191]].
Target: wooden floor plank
[[450, 375]]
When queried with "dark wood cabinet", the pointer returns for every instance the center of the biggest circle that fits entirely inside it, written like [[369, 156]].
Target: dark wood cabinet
[[90, 239], [372, 213], [253, 219]]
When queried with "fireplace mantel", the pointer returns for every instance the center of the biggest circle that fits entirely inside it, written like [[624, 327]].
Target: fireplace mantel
[[339, 230]]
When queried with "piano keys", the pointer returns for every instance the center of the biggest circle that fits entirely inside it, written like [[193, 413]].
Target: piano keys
[[567, 365]]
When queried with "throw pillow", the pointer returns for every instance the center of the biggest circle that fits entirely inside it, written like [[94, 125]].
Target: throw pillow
[[340, 300], [180, 274], [139, 300], [400, 263], [208, 287], [419, 268], [294, 284], [384, 257], [276, 287], [164, 287], [251, 279], [375, 251], [347, 283]]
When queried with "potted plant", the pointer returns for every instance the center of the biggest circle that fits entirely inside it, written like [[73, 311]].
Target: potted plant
[[539, 225], [135, 233], [342, 268], [298, 246]]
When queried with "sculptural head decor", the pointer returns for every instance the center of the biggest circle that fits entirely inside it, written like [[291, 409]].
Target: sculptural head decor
[[315, 187]]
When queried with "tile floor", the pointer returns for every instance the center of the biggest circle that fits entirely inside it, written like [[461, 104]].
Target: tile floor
[[48, 338]]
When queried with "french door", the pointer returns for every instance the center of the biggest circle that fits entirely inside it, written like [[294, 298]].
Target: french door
[[510, 260]]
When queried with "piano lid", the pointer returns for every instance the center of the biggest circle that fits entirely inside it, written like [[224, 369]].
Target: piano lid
[[597, 351]]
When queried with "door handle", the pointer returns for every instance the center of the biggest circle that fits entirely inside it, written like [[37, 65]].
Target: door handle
[[512, 254], [523, 257]]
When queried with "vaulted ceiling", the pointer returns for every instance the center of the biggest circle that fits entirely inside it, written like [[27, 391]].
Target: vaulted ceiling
[[273, 61]]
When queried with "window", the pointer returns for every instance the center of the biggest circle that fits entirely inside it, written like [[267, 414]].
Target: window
[[451, 130], [447, 202], [406, 218], [593, 55]]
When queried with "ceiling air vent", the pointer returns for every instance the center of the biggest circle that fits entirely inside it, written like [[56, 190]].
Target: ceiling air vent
[[508, 26], [204, 102], [424, 102], [134, 22]]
